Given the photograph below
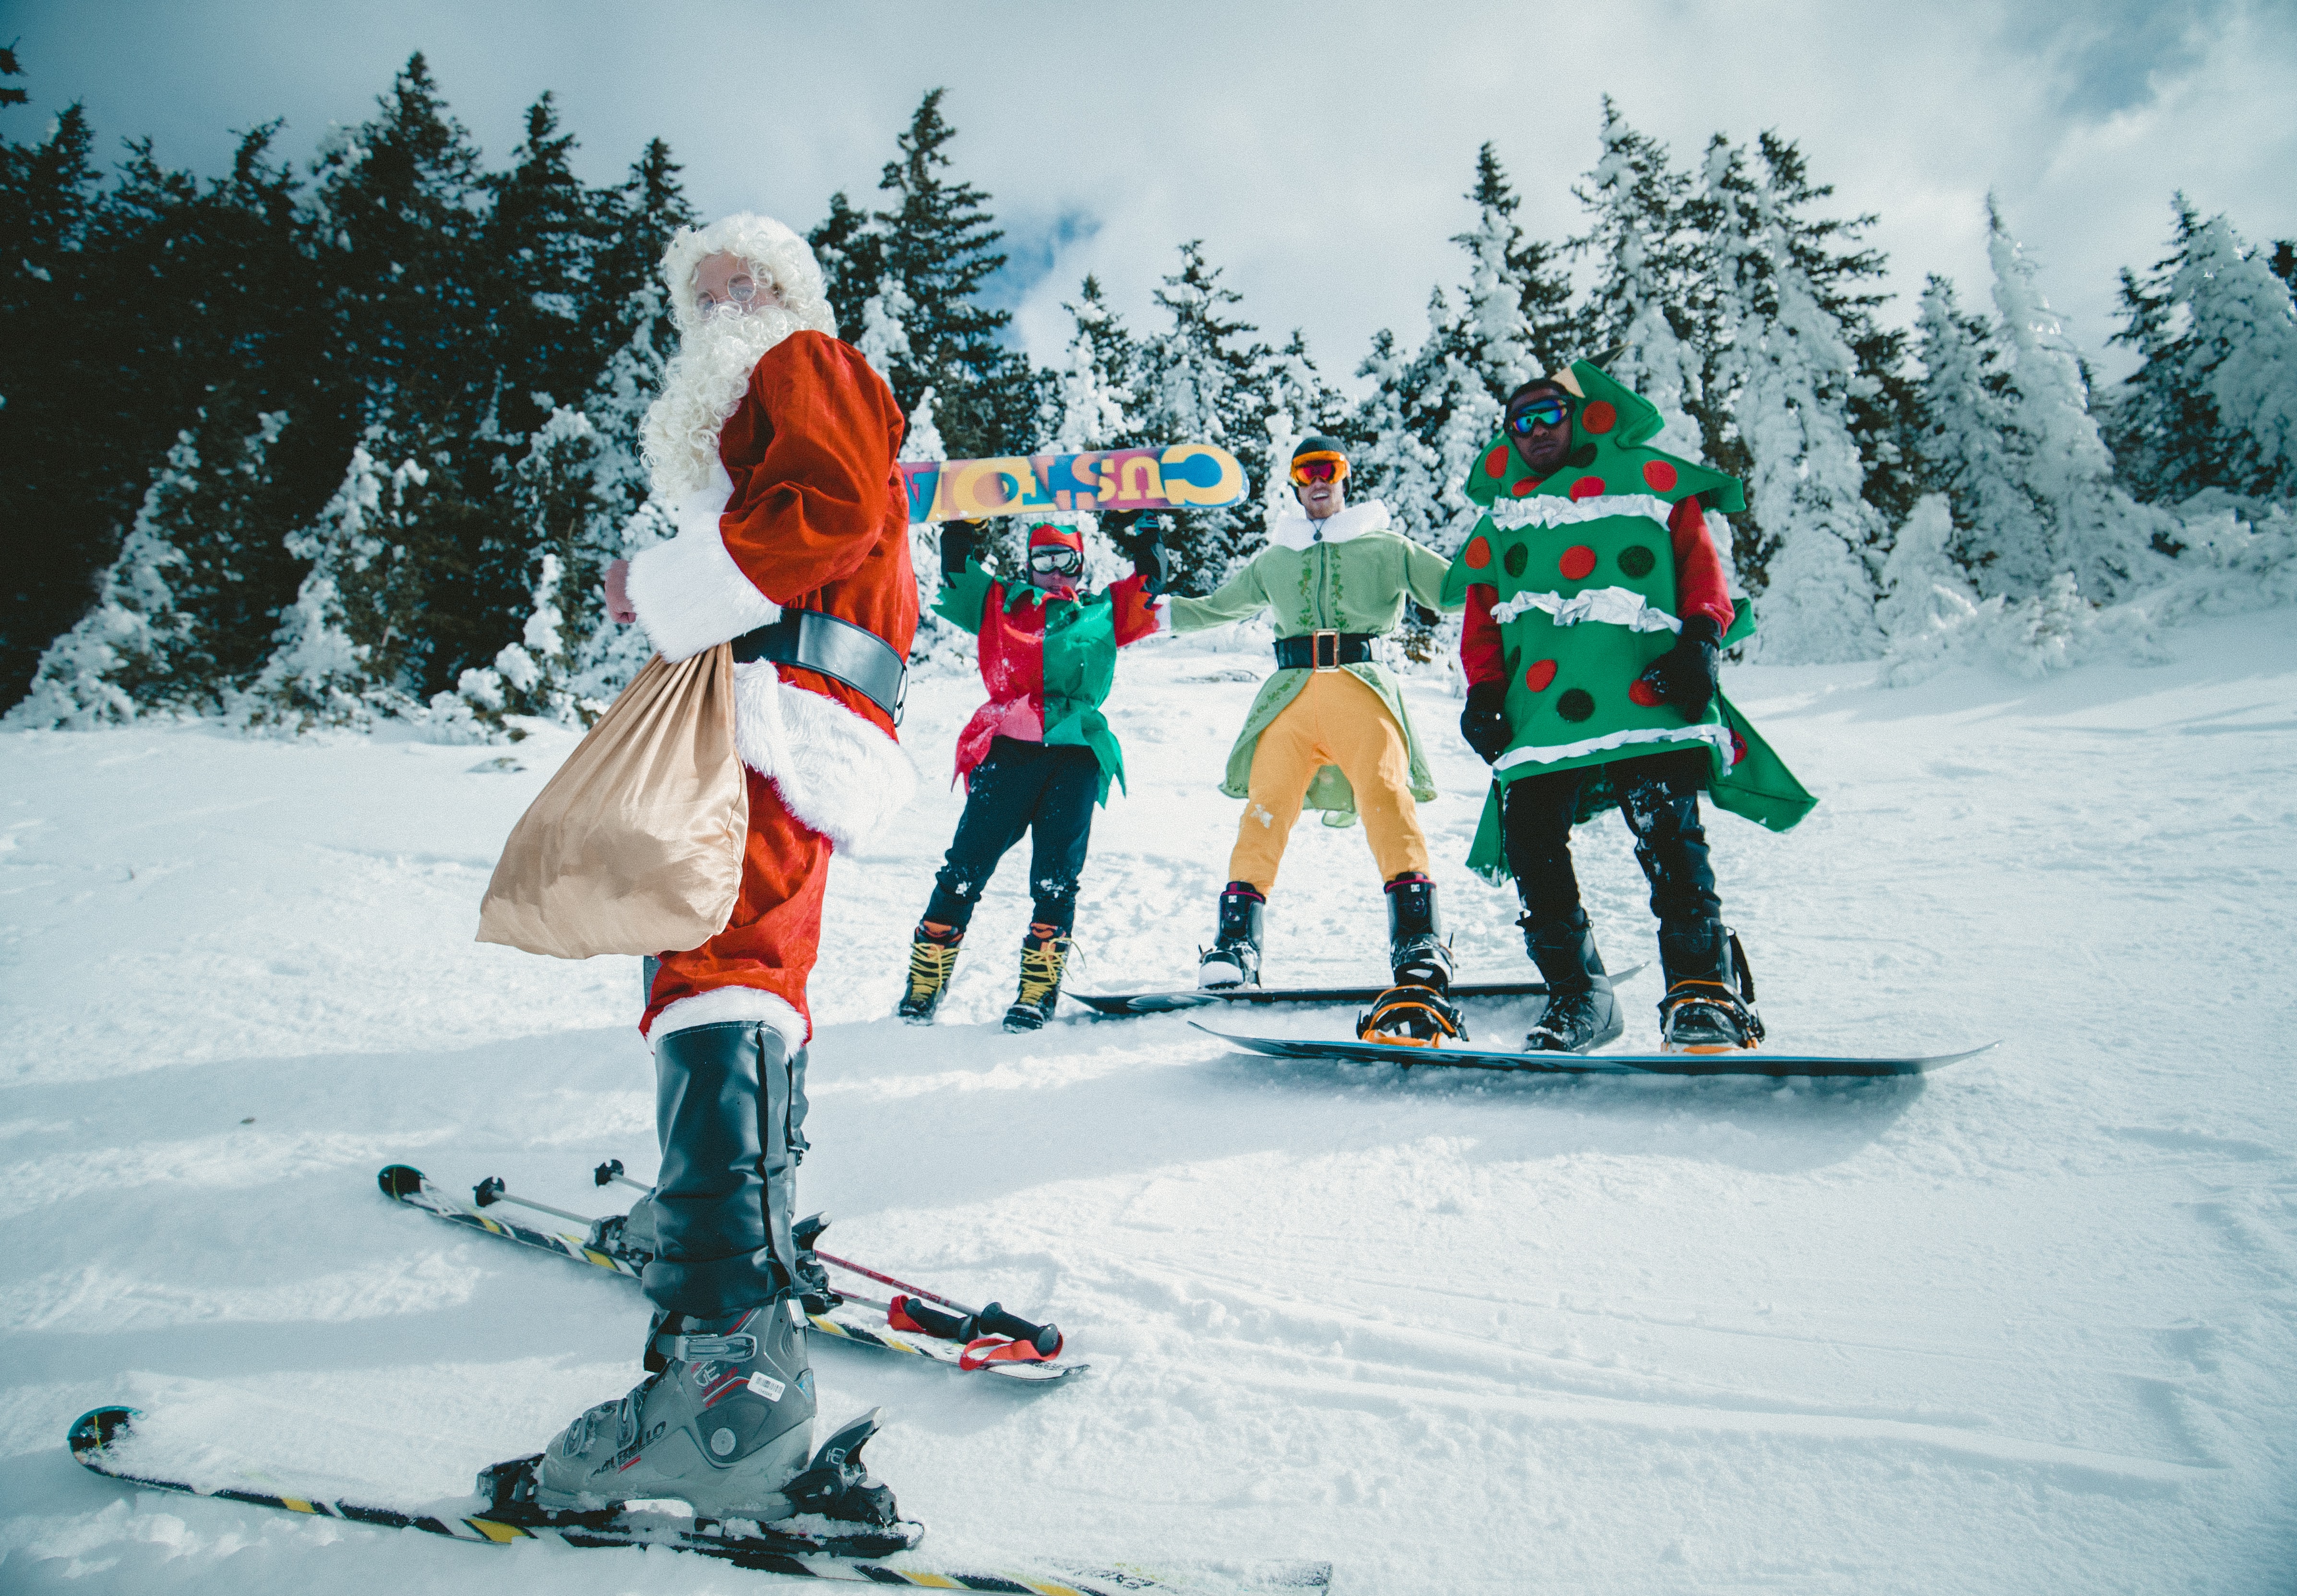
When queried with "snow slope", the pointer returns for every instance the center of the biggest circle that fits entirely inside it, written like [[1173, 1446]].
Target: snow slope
[[2029, 1325]]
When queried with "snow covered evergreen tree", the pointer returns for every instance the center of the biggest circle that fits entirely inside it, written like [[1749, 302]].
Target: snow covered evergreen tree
[[1646, 264], [2242, 341], [1395, 466], [1969, 445], [1922, 589], [1204, 387], [1784, 358], [1096, 392]]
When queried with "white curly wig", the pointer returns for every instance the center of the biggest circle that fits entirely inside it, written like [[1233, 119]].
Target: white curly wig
[[774, 253], [704, 381]]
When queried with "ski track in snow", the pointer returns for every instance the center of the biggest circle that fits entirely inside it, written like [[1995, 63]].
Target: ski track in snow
[[2027, 1325]]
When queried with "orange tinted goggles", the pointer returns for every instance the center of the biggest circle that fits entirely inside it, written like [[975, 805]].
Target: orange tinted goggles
[[1319, 468]]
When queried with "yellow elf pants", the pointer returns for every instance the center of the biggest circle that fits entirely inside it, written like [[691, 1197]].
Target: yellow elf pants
[[1335, 720]]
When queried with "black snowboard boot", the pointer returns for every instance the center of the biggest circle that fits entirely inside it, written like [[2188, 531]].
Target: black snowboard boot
[[1580, 1012], [1234, 958], [932, 961], [1044, 957], [1417, 952], [1710, 1007]]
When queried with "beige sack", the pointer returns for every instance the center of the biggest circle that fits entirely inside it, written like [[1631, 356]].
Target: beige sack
[[635, 845]]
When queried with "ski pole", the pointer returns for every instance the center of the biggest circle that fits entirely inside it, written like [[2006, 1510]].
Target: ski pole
[[610, 1174], [972, 1322], [490, 1191]]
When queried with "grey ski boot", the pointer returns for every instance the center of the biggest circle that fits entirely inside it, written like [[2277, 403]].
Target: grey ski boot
[[724, 1420], [1580, 1012]]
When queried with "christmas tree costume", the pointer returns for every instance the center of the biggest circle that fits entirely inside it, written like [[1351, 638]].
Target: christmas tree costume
[[1595, 605], [1328, 730], [1037, 756]]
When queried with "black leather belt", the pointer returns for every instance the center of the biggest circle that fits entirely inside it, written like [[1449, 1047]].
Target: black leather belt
[[1323, 651], [839, 649]]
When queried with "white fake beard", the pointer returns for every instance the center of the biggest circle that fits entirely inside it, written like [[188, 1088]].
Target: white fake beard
[[701, 386]]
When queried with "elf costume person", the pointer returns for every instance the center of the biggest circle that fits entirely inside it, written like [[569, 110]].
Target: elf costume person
[[1328, 730], [774, 444], [1596, 608], [1040, 754]]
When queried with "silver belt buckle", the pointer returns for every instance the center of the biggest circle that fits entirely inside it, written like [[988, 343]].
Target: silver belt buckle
[[1316, 651]]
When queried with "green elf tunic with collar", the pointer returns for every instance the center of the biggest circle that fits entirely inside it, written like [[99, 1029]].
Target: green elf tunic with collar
[[1349, 573], [1582, 575]]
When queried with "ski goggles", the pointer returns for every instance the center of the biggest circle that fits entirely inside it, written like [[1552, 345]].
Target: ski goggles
[[1548, 412], [1056, 559], [1319, 468]]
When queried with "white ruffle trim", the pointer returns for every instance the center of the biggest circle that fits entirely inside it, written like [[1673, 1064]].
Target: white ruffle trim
[[1547, 509], [1613, 606], [835, 771], [1718, 734], [688, 592], [740, 1005], [1297, 531]]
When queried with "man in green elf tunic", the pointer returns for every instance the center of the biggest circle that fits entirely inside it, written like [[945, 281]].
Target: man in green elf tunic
[[1329, 729], [1596, 609]]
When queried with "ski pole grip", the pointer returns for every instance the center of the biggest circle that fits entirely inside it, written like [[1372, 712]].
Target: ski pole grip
[[994, 1321], [489, 1191], [908, 1313]]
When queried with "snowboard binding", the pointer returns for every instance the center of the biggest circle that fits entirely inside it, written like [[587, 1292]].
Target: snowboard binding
[[1713, 1016], [1411, 1016]]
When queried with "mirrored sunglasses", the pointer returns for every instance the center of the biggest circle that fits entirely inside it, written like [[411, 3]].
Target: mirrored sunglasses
[[1058, 558], [1542, 412], [1318, 471]]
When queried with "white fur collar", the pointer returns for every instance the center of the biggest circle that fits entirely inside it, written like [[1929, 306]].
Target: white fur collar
[[1297, 531]]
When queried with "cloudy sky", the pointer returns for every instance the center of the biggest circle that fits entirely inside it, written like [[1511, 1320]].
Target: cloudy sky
[[1320, 151]]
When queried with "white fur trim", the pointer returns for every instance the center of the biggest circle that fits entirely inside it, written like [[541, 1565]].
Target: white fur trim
[[687, 591], [783, 258], [1720, 735], [1297, 531], [742, 1005], [835, 771], [1612, 607], [1547, 509]]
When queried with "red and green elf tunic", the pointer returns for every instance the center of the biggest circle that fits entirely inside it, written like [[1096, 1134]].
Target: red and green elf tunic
[[1048, 662], [1575, 582]]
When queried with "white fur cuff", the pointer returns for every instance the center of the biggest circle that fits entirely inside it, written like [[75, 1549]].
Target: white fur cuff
[[689, 594], [738, 1004]]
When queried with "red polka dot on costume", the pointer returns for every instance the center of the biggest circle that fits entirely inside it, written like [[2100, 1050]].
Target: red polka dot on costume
[[1738, 746], [1526, 487], [1642, 692], [1539, 676], [1659, 474], [1496, 463], [1599, 417], [1578, 561], [1587, 488], [1479, 553]]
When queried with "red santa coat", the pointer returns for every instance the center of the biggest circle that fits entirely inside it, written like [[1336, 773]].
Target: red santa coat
[[810, 514]]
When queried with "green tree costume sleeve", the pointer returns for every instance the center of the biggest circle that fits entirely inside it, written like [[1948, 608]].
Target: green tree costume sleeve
[[962, 596], [1240, 596]]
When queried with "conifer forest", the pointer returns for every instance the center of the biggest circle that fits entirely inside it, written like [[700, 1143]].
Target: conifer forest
[[322, 444]]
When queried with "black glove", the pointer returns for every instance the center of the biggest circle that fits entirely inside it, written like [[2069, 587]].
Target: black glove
[[1684, 675], [1152, 561], [959, 540], [1485, 722]]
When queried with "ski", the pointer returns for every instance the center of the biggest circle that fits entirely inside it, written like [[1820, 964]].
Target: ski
[[848, 1321], [1167, 1002], [1778, 1065], [493, 1518]]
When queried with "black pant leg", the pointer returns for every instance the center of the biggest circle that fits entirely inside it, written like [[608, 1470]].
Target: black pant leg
[[1659, 795], [999, 801], [1536, 814], [1061, 833]]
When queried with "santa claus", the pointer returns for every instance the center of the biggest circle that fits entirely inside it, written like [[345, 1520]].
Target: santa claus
[[774, 443]]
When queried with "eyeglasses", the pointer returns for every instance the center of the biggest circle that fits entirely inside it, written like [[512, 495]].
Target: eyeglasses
[[1058, 559], [1541, 413], [1319, 468], [741, 290]]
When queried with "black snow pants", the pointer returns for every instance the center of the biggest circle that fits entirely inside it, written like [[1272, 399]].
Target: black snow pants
[[1659, 794], [1047, 792]]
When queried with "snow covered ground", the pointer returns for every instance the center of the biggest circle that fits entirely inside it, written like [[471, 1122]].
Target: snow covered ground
[[2028, 1325]]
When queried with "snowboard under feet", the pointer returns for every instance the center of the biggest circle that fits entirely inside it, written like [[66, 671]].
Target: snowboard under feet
[[1750, 1063]]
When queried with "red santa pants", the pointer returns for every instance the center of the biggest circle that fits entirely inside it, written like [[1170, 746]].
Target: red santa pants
[[775, 934]]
